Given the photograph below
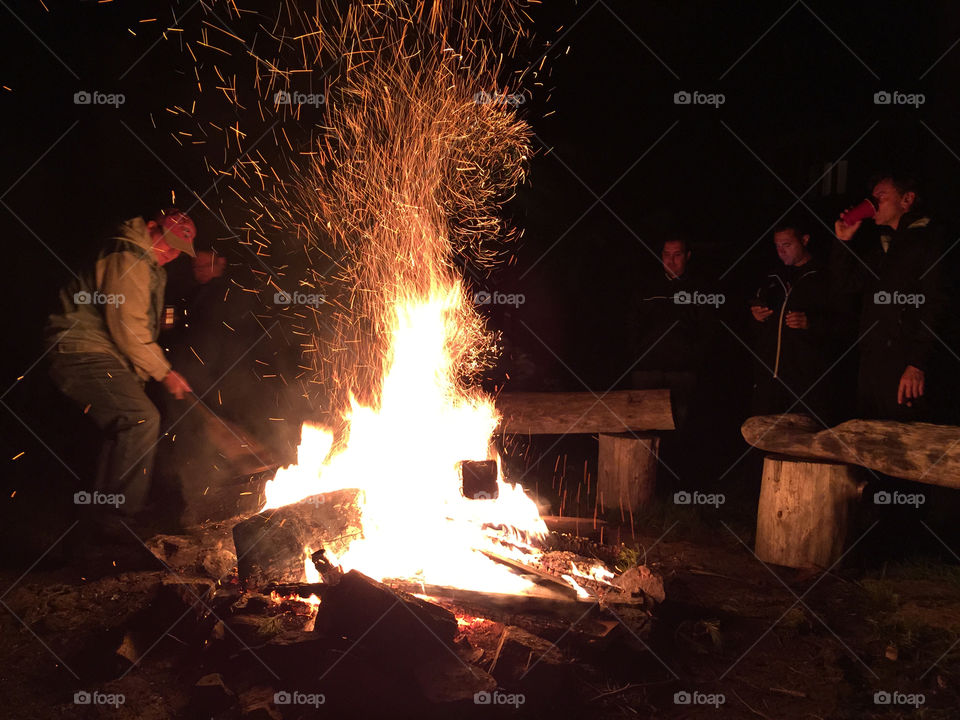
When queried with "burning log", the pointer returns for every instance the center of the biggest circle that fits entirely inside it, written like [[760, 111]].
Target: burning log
[[565, 413], [912, 451], [565, 568], [270, 546]]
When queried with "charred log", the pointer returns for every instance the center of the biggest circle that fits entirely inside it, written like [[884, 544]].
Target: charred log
[[270, 546]]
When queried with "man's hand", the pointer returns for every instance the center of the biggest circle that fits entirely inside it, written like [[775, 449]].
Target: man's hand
[[911, 385], [797, 320], [760, 313], [843, 231], [176, 384]]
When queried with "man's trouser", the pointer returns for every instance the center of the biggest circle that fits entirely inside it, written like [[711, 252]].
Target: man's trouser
[[112, 396]]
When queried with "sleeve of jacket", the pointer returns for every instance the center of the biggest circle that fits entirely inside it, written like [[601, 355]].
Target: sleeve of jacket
[[930, 313], [847, 270], [128, 320]]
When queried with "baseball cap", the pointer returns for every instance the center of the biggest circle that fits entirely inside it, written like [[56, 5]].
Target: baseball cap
[[178, 230]]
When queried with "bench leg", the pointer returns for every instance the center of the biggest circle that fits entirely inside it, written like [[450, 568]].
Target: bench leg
[[627, 470], [803, 509]]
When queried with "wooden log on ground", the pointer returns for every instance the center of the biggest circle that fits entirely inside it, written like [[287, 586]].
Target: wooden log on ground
[[207, 549], [627, 470], [913, 451], [270, 545], [562, 413], [399, 626], [802, 514]]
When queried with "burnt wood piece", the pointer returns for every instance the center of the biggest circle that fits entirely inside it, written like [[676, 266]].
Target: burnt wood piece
[[270, 545], [562, 413], [803, 509], [578, 526], [214, 499], [397, 625], [553, 565], [534, 570], [478, 479], [913, 451], [546, 598], [206, 549], [448, 679], [540, 670]]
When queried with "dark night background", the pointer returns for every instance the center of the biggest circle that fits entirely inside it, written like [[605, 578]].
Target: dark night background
[[619, 165]]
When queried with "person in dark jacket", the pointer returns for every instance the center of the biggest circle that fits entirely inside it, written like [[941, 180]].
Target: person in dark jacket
[[671, 320], [791, 310], [102, 344], [898, 276]]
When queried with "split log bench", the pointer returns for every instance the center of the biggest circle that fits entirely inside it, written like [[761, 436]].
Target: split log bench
[[624, 420], [811, 478]]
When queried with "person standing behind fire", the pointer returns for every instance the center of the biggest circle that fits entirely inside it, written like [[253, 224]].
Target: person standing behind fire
[[671, 320], [103, 349], [899, 277], [791, 310]]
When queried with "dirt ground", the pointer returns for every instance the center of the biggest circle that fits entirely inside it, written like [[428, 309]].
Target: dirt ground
[[734, 639]]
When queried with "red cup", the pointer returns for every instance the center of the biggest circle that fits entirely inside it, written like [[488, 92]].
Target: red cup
[[861, 211]]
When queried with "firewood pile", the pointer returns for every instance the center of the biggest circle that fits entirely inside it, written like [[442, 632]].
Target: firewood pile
[[263, 643]]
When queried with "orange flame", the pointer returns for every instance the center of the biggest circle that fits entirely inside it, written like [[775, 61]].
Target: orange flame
[[404, 454]]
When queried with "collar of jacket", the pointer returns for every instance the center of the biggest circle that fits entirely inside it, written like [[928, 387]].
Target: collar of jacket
[[908, 221], [135, 231], [808, 268]]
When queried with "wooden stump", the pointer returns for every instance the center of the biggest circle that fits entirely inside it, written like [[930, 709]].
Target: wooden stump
[[627, 469], [802, 514]]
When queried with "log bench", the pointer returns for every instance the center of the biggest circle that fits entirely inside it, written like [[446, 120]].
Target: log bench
[[624, 420], [811, 478]]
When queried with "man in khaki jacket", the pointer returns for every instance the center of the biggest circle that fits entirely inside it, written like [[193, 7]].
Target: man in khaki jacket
[[103, 349]]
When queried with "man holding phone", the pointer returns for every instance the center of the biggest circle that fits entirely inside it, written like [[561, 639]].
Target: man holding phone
[[793, 330]]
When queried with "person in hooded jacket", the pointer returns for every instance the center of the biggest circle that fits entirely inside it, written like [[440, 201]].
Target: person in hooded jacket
[[793, 331], [102, 345]]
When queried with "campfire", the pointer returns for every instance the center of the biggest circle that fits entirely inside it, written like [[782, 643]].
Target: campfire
[[411, 473]]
